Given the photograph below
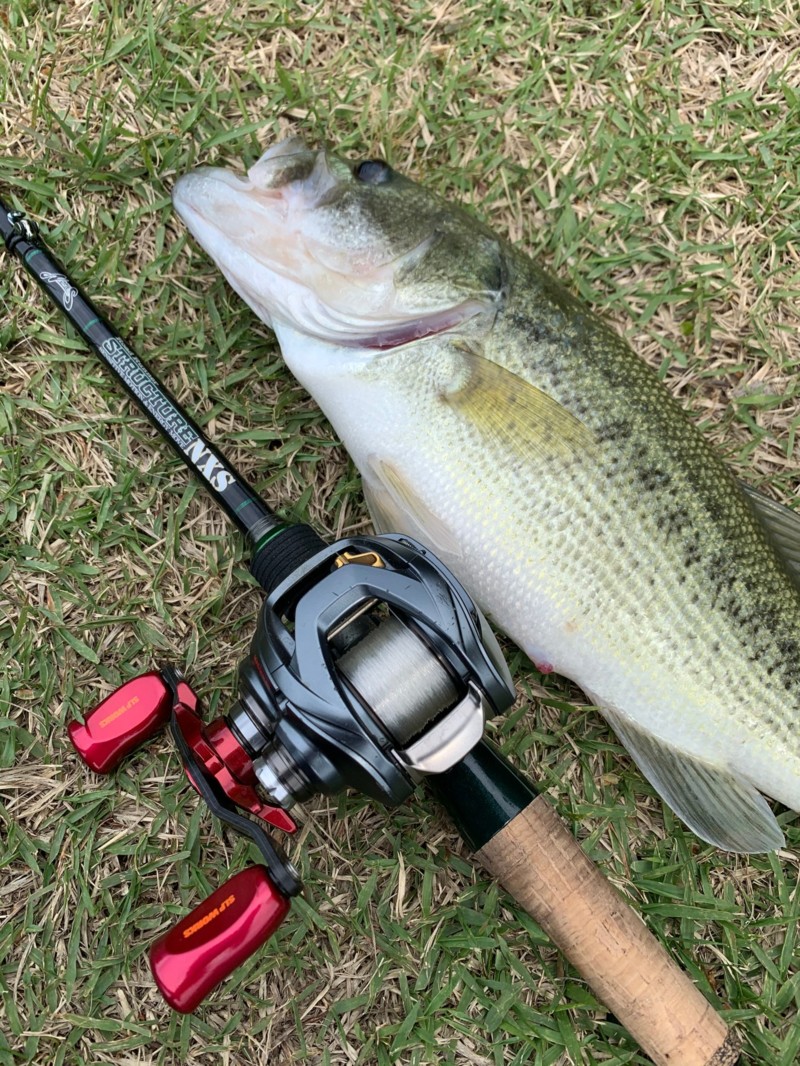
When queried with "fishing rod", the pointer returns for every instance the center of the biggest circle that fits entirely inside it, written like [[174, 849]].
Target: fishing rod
[[370, 668]]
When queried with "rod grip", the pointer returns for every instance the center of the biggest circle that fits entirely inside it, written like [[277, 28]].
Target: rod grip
[[286, 549], [206, 946], [540, 863]]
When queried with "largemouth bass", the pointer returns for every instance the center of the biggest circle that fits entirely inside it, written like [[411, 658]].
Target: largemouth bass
[[497, 419]]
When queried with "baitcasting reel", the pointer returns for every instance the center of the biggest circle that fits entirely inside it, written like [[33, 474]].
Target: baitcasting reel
[[369, 669]]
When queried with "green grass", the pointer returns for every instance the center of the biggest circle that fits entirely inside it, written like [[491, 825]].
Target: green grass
[[646, 152]]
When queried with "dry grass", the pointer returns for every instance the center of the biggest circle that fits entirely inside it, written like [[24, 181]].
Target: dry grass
[[648, 152]]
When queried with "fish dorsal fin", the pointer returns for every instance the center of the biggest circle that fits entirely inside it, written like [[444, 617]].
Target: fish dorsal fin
[[716, 804], [396, 508], [782, 524], [521, 418]]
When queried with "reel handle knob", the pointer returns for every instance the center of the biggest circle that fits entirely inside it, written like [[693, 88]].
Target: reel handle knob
[[122, 722], [208, 944]]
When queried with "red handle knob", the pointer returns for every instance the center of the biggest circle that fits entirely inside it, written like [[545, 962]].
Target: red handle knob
[[216, 937], [123, 721]]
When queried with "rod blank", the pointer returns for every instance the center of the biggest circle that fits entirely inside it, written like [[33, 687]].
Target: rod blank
[[246, 510]]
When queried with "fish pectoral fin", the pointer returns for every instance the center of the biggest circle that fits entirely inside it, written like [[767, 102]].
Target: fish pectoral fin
[[396, 508], [716, 804], [523, 419], [782, 525]]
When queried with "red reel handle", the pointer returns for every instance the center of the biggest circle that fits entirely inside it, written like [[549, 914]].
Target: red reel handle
[[123, 721], [216, 937]]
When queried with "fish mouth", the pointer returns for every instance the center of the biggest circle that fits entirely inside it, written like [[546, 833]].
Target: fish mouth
[[288, 177], [205, 197], [238, 221], [266, 232]]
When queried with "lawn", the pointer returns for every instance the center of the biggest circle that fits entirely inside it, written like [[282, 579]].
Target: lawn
[[647, 153]]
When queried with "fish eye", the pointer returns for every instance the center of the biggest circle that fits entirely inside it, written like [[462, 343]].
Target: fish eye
[[373, 172]]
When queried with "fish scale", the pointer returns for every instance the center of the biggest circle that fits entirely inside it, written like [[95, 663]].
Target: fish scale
[[499, 420]]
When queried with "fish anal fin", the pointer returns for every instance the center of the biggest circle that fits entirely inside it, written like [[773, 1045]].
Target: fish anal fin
[[715, 803]]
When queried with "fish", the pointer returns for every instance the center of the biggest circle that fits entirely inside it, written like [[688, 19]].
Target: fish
[[497, 419]]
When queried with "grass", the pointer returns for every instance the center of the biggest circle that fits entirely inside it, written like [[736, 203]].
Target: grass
[[646, 152]]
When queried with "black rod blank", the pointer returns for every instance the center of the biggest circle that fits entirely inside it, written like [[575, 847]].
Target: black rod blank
[[248, 512]]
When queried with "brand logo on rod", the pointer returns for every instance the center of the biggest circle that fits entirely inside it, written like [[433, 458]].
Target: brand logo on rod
[[146, 389], [68, 291], [209, 466]]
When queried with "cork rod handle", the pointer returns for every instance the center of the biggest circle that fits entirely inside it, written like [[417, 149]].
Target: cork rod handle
[[539, 862]]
